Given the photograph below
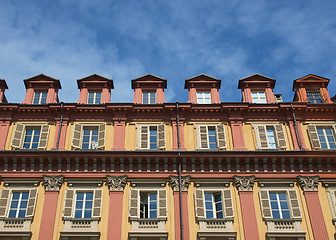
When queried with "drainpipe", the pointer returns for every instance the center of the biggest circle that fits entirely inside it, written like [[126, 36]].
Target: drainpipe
[[296, 129], [60, 128], [179, 167]]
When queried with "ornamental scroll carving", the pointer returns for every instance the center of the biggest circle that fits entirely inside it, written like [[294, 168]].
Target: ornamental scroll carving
[[244, 183], [116, 183], [174, 182], [309, 183], [53, 183]]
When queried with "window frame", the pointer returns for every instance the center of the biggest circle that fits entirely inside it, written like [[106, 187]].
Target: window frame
[[149, 94], [221, 142], [78, 134], [203, 97], [314, 137], [160, 138], [262, 139], [18, 208], [40, 97], [94, 96], [258, 92], [314, 93]]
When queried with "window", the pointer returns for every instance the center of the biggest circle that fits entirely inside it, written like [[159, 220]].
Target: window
[[88, 136], [279, 205], [40, 97], [151, 137], [148, 205], [148, 97], [18, 205], [203, 97], [258, 97], [270, 136], [94, 98], [84, 203], [29, 136], [210, 136], [213, 205], [322, 136], [314, 96]]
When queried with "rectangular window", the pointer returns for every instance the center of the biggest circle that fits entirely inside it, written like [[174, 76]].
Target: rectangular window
[[94, 98], [271, 138], [258, 97], [32, 137], [279, 205], [314, 96], [151, 137], [40, 97], [84, 203], [210, 136], [148, 205], [90, 138], [326, 137], [213, 205], [18, 205], [203, 97], [148, 97]]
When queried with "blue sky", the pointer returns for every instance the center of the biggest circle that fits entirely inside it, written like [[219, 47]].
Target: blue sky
[[175, 40]]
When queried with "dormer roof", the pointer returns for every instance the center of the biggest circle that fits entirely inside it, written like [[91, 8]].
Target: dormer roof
[[41, 80], [311, 78], [149, 80], [202, 81], [95, 80], [256, 79]]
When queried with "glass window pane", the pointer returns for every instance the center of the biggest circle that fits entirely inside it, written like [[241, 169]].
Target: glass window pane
[[282, 196], [80, 196], [79, 204], [22, 213], [272, 196], [87, 213], [12, 214], [276, 214], [209, 214], [24, 204], [14, 204], [285, 214], [208, 196], [208, 205], [89, 196], [78, 214], [153, 214], [220, 214], [274, 205]]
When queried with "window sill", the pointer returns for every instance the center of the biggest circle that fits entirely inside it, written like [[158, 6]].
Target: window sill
[[216, 225], [16, 225], [148, 225], [87, 225], [284, 227]]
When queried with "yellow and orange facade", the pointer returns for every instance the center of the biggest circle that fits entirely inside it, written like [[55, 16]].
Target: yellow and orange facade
[[257, 169]]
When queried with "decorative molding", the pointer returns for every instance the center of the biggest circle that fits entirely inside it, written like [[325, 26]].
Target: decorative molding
[[309, 183], [244, 183], [174, 182], [116, 183], [53, 183]]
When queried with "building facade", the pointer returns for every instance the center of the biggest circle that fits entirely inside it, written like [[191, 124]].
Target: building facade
[[151, 170]]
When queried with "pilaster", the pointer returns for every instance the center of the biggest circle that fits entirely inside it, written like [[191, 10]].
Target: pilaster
[[119, 133], [237, 133]]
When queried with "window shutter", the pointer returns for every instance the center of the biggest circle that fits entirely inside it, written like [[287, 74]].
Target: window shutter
[[4, 199], [261, 137], [294, 203], [134, 203], [97, 203], [77, 136], [144, 137], [161, 136], [314, 140], [280, 136], [162, 203], [204, 143], [101, 136], [18, 135], [31, 202], [68, 202], [44, 136], [221, 143], [199, 203], [265, 204], [228, 205]]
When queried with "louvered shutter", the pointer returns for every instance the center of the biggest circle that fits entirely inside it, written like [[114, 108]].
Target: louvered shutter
[[261, 137], [44, 137], [280, 136], [68, 202], [161, 140], [4, 199], [221, 143], [97, 203], [18, 135], [31, 202], [228, 205], [265, 204], [134, 204], [101, 136], [199, 203], [314, 140], [294, 203], [162, 203], [144, 132], [203, 137], [77, 136]]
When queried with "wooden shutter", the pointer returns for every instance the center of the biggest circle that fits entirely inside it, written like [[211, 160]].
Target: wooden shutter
[[18, 135], [97, 203], [68, 202], [314, 140], [31, 202], [220, 131], [162, 203], [4, 199], [199, 203], [144, 132], [280, 136], [261, 137], [294, 203], [265, 204], [101, 136], [228, 205], [134, 204], [77, 136], [161, 136], [203, 137], [44, 137]]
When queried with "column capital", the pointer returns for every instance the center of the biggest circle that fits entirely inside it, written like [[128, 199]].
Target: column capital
[[52, 183], [174, 182], [244, 183], [116, 183], [309, 183]]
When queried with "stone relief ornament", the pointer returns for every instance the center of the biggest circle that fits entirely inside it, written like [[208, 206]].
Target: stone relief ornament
[[174, 182], [116, 183], [53, 183], [244, 183], [309, 183]]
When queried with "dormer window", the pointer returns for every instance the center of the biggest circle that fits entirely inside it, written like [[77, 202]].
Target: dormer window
[[94, 98], [148, 97], [258, 97], [314, 96], [40, 97], [203, 98]]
